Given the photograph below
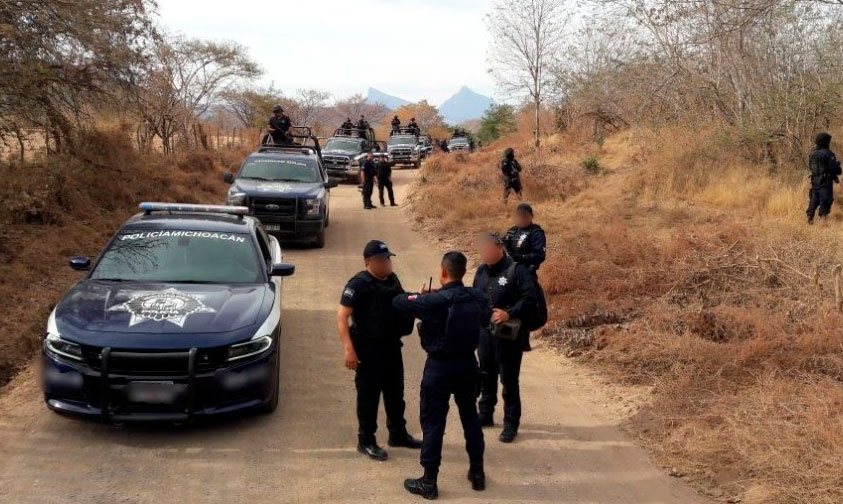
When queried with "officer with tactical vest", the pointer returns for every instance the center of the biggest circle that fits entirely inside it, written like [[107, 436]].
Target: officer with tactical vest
[[825, 171], [511, 290], [372, 344], [451, 321], [526, 243]]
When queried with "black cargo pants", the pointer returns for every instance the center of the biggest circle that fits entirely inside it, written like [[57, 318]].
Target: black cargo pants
[[500, 358], [381, 371]]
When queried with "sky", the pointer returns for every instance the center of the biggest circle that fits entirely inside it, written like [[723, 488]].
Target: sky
[[413, 49]]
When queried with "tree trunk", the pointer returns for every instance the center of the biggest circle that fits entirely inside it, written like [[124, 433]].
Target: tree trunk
[[537, 131]]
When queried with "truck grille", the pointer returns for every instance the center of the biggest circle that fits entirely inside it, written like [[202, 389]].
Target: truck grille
[[155, 363], [336, 160], [273, 206]]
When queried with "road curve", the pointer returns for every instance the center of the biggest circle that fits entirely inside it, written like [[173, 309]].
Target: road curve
[[305, 453]]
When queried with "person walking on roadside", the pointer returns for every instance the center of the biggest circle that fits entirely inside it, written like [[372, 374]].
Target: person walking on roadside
[[372, 346], [511, 170], [385, 180], [526, 244], [511, 291], [370, 171], [451, 320], [825, 171]]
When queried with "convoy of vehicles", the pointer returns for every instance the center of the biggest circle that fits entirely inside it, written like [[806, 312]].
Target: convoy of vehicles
[[461, 144], [179, 317]]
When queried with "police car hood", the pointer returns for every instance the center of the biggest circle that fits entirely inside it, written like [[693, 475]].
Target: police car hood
[[161, 315], [261, 189]]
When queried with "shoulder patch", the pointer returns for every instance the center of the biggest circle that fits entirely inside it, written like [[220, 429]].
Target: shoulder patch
[[348, 292]]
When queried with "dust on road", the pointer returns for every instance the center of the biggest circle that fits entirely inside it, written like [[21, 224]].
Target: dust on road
[[567, 450]]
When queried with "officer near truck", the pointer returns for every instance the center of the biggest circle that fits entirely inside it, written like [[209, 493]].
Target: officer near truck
[[372, 347], [451, 321]]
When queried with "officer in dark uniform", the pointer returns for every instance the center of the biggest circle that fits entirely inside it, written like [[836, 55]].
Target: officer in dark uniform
[[512, 294], [451, 320], [526, 243], [370, 171], [362, 126], [373, 349], [396, 124], [511, 170], [385, 180], [414, 127], [825, 171], [347, 126], [279, 126]]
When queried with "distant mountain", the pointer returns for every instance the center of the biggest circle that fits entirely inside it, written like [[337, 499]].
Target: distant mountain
[[379, 97], [464, 106]]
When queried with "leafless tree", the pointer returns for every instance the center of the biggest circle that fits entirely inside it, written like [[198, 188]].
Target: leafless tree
[[526, 37]]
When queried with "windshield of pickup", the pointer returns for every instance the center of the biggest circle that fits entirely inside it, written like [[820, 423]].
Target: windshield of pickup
[[301, 169], [180, 256], [458, 141], [342, 144], [402, 140]]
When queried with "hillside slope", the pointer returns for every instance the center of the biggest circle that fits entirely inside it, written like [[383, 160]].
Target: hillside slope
[[696, 279]]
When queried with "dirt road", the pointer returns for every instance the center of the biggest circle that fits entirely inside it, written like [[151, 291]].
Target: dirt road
[[567, 452]]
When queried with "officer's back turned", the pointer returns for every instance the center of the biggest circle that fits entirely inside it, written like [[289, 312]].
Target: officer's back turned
[[451, 321]]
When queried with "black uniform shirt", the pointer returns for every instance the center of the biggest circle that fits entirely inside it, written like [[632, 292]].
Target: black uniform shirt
[[827, 168], [384, 170], [527, 245], [510, 167], [516, 295], [374, 317], [369, 168]]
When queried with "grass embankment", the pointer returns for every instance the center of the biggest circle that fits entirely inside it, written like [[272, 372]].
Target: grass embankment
[[56, 207], [675, 264]]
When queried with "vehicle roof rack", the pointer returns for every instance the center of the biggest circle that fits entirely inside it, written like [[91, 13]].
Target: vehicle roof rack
[[302, 140], [354, 132], [148, 207], [405, 130]]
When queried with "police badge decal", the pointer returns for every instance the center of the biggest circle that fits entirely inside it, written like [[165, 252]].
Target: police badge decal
[[169, 305]]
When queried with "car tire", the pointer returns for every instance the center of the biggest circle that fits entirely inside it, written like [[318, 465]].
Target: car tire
[[320, 239], [327, 218]]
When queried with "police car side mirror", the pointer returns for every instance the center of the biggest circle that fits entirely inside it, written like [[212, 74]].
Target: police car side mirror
[[228, 178], [282, 269], [331, 184], [81, 263]]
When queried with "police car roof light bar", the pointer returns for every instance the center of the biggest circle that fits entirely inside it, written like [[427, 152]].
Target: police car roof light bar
[[149, 207]]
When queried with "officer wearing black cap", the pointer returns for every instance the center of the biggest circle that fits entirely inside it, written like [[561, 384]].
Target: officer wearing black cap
[[372, 344], [511, 291], [451, 320], [279, 125]]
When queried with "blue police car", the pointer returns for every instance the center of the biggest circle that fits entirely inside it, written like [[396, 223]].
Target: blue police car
[[179, 316]]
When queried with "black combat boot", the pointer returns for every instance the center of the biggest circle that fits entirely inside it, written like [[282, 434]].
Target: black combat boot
[[486, 420], [477, 477], [424, 486], [373, 451], [508, 434], [405, 441]]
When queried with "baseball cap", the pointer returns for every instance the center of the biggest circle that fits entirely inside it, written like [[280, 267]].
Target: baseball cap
[[376, 247]]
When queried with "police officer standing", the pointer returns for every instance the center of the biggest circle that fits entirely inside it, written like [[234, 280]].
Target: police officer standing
[[511, 170], [372, 346], [347, 126], [279, 126], [825, 171], [396, 124], [370, 171], [511, 291], [414, 127], [451, 320], [526, 243], [362, 126], [385, 180]]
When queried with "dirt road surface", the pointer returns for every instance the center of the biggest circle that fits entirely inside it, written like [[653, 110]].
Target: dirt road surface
[[567, 450]]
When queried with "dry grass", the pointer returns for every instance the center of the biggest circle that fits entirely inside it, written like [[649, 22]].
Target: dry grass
[[681, 266], [55, 208]]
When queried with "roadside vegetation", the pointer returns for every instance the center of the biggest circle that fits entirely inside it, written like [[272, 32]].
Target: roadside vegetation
[[671, 179]]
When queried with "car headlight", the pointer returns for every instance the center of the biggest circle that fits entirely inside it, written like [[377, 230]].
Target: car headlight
[[248, 349], [236, 197], [61, 347]]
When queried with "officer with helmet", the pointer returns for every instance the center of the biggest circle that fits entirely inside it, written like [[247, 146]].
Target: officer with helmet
[[372, 344], [451, 320], [279, 126]]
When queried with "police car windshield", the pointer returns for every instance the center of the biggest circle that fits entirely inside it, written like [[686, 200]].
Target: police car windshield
[[459, 141], [401, 140], [180, 256], [280, 170], [347, 145]]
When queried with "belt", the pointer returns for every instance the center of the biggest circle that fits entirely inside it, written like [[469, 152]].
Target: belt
[[447, 356]]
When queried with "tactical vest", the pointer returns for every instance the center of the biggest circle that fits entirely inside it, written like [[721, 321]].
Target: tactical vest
[[378, 319]]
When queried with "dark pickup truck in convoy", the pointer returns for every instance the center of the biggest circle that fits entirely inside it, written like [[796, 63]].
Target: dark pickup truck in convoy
[[461, 144], [344, 152], [287, 188]]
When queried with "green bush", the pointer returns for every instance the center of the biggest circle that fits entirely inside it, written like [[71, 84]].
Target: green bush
[[591, 165]]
